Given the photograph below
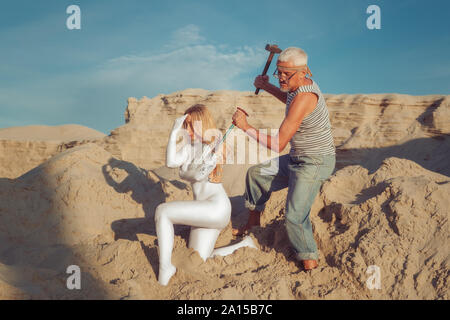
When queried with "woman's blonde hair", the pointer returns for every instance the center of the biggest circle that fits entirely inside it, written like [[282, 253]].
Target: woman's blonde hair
[[200, 112]]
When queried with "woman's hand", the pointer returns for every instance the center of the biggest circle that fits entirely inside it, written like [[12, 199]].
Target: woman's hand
[[178, 123]]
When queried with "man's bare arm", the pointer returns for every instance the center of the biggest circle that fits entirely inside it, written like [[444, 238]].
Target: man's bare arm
[[303, 104], [276, 92], [262, 82]]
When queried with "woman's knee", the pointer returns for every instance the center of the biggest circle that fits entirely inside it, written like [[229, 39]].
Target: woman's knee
[[159, 212]]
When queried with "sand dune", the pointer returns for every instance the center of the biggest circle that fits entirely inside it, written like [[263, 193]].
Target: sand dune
[[67, 132], [23, 148], [91, 201]]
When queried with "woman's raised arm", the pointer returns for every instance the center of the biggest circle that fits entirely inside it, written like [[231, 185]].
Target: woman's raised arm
[[175, 159]]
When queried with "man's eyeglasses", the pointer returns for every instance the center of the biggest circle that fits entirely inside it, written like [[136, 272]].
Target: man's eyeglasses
[[278, 74]]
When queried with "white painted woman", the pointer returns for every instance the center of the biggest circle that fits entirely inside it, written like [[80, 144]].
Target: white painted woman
[[210, 211]]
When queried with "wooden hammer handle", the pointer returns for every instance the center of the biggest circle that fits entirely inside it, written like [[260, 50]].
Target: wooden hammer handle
[[266, 67]]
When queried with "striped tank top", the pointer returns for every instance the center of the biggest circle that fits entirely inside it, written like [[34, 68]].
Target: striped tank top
[[314, 136]]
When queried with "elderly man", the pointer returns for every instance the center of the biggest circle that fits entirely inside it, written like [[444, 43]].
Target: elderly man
[[311, 159]]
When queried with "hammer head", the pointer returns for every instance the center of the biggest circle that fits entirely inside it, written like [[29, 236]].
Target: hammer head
[[273, 48]]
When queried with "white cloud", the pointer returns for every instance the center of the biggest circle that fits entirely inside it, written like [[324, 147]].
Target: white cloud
[[199, 66], [188, 35], [194, 63], [191, 63]]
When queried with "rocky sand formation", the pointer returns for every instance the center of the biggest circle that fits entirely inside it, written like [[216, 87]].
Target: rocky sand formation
[[87, 199]]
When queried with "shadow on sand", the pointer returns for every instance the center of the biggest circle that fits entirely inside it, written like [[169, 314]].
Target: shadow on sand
[[431, 153], [33, 257], [147, 192]]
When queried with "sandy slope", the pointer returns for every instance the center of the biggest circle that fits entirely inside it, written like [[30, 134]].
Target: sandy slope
[[67, 132], [23, 148], [91, 206]]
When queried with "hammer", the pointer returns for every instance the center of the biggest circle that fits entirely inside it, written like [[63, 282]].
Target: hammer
[[272, 48]]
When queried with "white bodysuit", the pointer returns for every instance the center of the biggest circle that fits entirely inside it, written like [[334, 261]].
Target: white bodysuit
[[207, 214]]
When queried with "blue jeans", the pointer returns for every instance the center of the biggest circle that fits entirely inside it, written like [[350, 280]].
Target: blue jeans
[[303, 175]]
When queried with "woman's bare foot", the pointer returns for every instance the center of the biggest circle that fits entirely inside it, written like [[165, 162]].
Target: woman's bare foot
[[165, 274]]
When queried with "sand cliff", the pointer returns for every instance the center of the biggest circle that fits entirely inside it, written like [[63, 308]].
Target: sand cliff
[[89, 199]]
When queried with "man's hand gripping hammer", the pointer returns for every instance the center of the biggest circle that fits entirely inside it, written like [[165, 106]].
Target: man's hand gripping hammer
[[272, 48]]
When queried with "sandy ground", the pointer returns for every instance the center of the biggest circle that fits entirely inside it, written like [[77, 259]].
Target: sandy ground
[[91, 203]]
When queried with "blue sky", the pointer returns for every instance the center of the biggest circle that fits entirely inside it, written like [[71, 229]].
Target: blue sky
[[51, 75]]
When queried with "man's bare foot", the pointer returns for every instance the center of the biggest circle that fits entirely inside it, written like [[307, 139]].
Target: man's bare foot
[[310, 264], [253, 220]]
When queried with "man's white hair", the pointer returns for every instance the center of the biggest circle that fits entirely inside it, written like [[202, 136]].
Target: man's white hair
[[295, 55]]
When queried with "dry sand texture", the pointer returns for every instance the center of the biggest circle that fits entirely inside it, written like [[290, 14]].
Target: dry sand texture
[[87, 199]]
